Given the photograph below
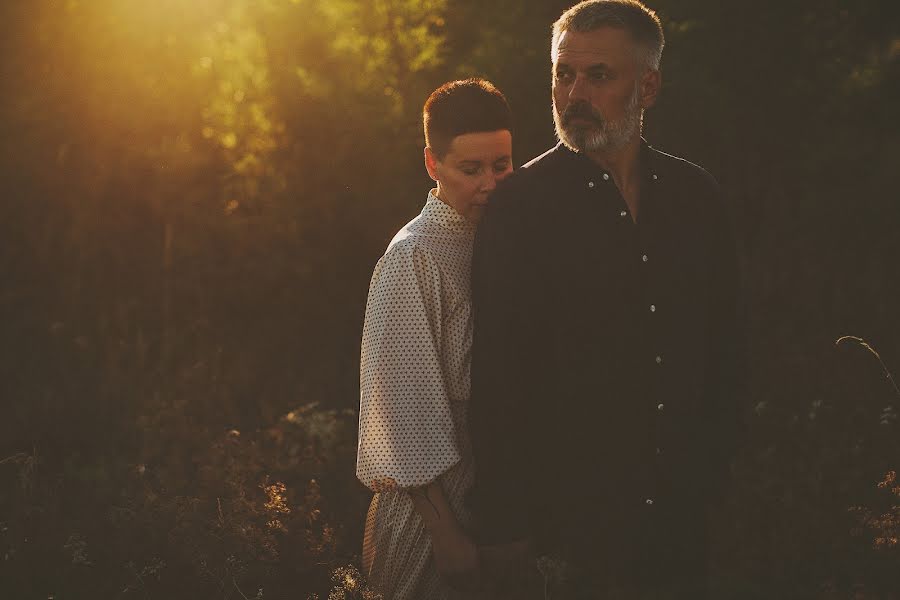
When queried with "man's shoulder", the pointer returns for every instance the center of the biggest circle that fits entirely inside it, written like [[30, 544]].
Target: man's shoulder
[[680, 170], [691, 186], [549, 160], [526, 187]]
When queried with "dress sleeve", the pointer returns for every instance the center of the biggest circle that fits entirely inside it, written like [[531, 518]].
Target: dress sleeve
[[406, 432]]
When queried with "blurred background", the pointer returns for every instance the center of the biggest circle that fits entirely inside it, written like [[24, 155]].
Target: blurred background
[[194, 194]]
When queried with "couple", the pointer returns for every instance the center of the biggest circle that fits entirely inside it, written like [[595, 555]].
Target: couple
[[557, 391]]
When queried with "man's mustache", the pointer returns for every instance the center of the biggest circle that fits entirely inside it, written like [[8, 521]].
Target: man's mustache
[[581, 110]]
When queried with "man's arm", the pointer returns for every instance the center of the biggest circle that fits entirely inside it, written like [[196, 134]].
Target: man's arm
[[726, 346], [504, 373]]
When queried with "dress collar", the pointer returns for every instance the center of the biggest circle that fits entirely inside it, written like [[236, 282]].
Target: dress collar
[[436, 211]]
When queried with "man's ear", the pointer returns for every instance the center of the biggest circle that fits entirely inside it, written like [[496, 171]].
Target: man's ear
[[651, 81], [431, 163]]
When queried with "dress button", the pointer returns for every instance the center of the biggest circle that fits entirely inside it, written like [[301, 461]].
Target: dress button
[[652, 308], [624, 213], [649, 501], [655, 177], [659, 360], [590, 184], [606, 177], [660, 407], [644, 258]]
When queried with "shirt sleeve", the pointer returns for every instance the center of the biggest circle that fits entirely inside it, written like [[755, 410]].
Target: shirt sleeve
[[406, 433], [726, 347], [507, 377]]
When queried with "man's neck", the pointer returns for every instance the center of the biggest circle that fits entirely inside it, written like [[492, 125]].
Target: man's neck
[[623, 164], [624, 167]]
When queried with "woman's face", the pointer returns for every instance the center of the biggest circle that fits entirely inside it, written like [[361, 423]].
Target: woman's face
[[470, 170]]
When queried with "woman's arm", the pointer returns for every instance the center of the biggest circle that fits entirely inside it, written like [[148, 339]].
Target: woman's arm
[[407, 436], [455, 554]]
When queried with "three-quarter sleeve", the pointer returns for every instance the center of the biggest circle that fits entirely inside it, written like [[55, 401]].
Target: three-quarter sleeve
[[406, 433]]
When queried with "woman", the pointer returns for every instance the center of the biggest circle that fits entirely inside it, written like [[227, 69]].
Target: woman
[[414, 450]]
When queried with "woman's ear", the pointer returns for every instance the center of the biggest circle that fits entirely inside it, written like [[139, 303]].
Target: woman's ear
[[431, 164]]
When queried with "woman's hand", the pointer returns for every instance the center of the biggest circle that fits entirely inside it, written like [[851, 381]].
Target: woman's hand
[[456, 558], [506, 569], [455, 553]]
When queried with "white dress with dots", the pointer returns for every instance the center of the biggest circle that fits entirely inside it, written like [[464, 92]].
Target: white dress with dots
[[414, 392]]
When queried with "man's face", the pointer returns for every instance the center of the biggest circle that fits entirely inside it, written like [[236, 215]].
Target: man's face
[[599, 92], [471, 169]]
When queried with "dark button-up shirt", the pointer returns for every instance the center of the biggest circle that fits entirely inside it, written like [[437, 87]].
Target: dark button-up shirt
[[605, 350]]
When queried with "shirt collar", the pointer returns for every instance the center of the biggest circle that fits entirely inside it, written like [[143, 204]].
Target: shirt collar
[[436, 211], [647, 162]]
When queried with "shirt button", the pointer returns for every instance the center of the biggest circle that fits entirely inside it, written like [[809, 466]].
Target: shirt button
[[655, 177], [659, 360], [644, 258], [606, 177], [658, 451], [660, 407], [590, 184], [652, 308], [624, 213], [649, 501]]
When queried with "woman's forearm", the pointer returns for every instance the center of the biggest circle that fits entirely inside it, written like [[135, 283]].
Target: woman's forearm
[[455, 554], [431, 503]]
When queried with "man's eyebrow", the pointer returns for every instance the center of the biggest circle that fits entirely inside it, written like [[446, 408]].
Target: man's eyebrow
[[600, 66]]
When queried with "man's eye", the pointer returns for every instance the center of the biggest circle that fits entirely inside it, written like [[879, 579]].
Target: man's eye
[[563, 75], [500, 167], [600, 76], [470, 171]]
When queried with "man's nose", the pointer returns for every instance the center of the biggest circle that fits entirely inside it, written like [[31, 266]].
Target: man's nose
[[579, 89]]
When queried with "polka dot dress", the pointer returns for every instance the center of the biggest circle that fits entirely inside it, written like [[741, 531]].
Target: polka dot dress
[[414, 390]]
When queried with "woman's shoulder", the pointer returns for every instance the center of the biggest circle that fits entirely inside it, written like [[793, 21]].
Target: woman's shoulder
[[414, 241], [410, 251], [427, 240]]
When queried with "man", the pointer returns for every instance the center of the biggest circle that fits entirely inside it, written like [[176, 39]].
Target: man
[[605, 358]]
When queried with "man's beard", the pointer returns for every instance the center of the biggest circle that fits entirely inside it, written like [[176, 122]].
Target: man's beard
[[603, 135]]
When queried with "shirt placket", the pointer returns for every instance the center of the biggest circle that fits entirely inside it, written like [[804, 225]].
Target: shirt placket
[[653, 353], [639, 235]]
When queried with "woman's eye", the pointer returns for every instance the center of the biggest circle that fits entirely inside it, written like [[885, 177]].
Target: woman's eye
[[470, 171]]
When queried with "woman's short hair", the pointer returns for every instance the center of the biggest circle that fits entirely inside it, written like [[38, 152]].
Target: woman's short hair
[[460, 107]]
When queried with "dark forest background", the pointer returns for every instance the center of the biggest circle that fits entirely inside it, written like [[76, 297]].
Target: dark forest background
[[194, 195]]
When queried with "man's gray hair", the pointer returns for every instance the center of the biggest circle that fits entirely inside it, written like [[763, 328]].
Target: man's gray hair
[[630, 15]]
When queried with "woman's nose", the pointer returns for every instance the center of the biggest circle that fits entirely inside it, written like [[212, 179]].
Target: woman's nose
[[489, 182]]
